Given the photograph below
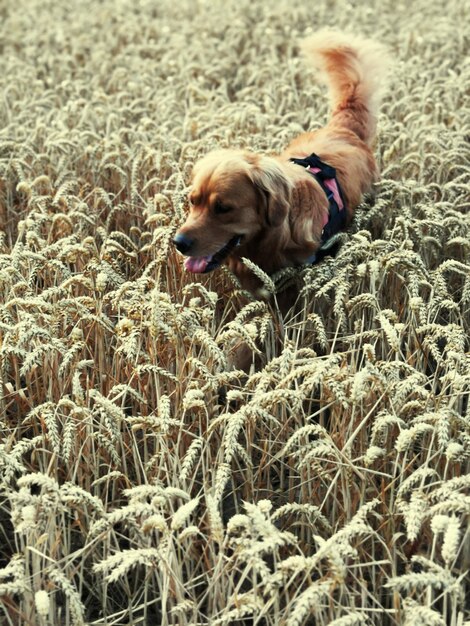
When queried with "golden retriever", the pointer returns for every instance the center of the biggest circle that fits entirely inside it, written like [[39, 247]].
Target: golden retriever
[[275, 211]]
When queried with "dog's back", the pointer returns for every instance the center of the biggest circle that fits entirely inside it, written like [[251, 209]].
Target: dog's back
[[354, 70]]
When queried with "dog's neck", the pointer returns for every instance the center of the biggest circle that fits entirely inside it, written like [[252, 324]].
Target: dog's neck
[[294, 241]]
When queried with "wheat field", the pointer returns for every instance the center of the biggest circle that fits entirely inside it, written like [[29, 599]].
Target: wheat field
[[144, 480]]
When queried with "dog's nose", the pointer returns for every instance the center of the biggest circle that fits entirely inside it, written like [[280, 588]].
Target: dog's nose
[[182, 243]]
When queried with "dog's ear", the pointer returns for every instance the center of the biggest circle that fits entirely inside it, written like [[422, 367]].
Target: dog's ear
[[274, 187]]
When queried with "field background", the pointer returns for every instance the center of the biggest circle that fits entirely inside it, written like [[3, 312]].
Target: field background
[[143, 481]]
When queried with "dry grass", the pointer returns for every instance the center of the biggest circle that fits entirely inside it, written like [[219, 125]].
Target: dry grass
[[330, 487]]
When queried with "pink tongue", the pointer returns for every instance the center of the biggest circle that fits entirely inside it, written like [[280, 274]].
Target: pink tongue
[[197, 264]]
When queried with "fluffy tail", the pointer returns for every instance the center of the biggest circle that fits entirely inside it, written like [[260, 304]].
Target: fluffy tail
[[354, 70]]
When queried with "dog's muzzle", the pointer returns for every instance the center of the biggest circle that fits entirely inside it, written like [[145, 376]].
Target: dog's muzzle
[[205, 264], [182, 243]]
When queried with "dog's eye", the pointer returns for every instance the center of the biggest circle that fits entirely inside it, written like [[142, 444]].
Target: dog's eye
[[221, 208]]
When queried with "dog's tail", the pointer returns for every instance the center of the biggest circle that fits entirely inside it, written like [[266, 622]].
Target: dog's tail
[[354, 70]]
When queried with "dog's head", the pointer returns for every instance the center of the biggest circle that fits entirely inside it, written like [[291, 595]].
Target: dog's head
[[234, 196]]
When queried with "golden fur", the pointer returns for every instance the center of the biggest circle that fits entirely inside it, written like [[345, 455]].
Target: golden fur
[[276, 206]]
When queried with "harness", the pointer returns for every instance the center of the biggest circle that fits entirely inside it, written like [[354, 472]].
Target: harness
[[335, 221]]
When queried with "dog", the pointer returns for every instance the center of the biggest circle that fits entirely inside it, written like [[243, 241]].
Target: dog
[[280, 211]]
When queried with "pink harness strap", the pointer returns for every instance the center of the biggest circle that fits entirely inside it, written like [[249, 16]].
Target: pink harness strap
[[336, 218], [332, 185]]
